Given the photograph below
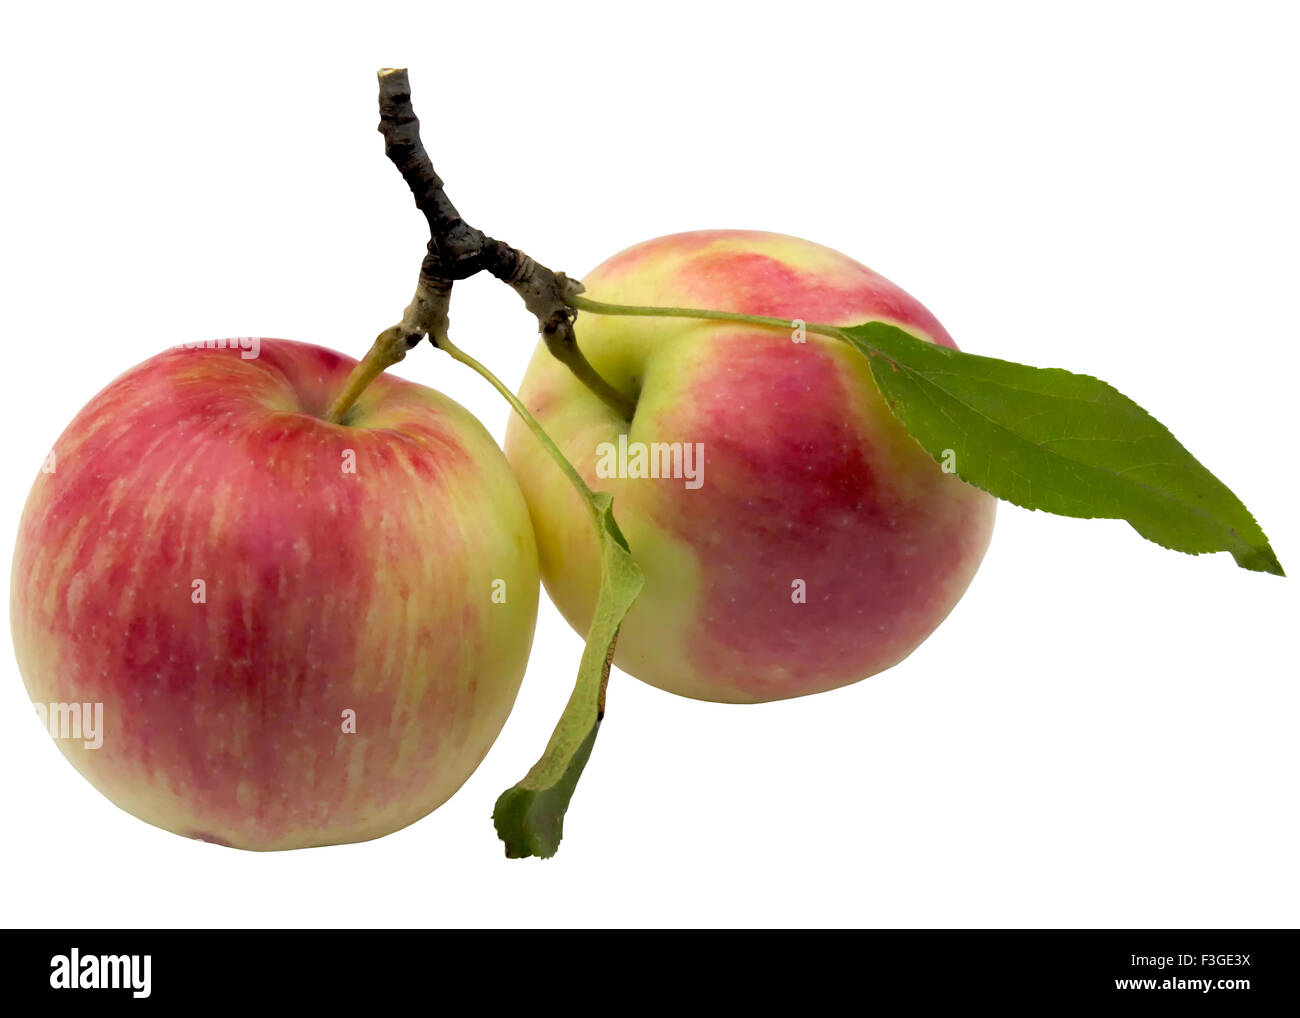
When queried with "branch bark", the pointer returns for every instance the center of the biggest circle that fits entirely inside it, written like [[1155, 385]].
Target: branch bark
[[457, 250]]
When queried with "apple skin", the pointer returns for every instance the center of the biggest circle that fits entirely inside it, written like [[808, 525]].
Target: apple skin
[[807, 475], [326, 591]]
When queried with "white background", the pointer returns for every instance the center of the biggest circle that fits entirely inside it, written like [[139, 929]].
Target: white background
[[1102, 734]]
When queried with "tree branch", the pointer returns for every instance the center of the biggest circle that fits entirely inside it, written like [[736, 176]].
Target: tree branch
[[457, 251]]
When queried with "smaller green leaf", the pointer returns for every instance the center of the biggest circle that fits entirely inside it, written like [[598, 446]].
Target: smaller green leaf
[[529, 817], [1068, 444]]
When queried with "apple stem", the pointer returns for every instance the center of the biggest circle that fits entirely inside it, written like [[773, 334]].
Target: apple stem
[[563, 345], [426, 315], [388, 348]]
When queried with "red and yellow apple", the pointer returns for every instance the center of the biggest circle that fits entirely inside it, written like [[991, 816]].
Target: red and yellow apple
[[819, 545], [302, 633]]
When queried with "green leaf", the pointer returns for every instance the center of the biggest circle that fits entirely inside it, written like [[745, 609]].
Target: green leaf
[[1068, 444], [529, 817]]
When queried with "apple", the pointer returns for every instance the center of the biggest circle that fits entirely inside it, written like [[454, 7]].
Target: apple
[[297, 632], [793, 537]]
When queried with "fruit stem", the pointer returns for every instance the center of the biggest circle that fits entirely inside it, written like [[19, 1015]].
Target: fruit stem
[[599, 307], [563, 346], [389, 347]]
